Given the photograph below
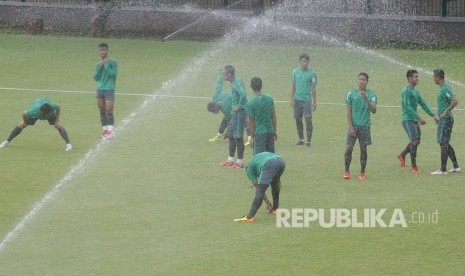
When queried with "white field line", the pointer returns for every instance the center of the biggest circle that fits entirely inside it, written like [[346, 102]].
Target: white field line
[[92, 154], [172, 96]]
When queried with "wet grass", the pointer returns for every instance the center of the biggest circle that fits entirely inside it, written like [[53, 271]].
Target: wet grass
[[154, 200]]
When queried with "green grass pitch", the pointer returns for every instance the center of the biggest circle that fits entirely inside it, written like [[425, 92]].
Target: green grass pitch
[[155, 202]]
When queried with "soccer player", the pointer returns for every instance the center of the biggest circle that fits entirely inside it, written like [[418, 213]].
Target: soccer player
[[265, 169], [41, 109], [446, 102], [221, 102], [262, 119], [303, 98], [411, 121], [238, 118], [361, 102], [105, 74]]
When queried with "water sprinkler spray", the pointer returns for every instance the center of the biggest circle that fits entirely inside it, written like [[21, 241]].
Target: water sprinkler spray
[[197, 21]]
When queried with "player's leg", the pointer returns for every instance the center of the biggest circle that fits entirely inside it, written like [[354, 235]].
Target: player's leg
[[401, 156], [101, 107], [241, 124], [364, 138], [279, 167], [416, 138], [247, 131], [221, 129], [444, 134], [16, 131], [109, 104], [308, 122], [257, 201], [298, 114], [450, 150], [269, 142], [259, 143], [232, 141], [52, 120], [350, 140]]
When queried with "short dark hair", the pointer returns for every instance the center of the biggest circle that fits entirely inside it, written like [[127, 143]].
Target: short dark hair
[[363, 74], [439, 73], [213, 107], [411, 72], [103, 45], [304, 56], [230, 70], [256, 83], [45, 108]]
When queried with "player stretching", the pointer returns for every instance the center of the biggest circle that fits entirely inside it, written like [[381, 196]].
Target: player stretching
[[41, 109], [265, 169], [410, 120], [360, 104], [105, 74]]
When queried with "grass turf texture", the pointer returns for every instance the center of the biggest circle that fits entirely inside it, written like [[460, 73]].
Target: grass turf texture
[[155, 200]]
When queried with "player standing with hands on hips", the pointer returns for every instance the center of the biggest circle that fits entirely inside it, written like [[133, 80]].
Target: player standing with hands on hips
[[105, 74]]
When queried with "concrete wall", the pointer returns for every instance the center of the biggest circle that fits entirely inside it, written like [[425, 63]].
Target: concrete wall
[[140, 20]]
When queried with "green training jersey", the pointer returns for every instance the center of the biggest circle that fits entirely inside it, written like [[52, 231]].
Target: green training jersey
[[254, 169], [410, 100], [260, 108], [360, 110], [239, 94], [304, 81], [224, 99], [445, 97], [34, 111], [106, 76]]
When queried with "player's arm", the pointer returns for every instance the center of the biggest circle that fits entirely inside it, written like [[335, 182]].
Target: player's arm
[[112, 69], [313, 98], [426, 108], [252, 130], [292, 94], [57, 112], [97, 72], [349, 120], [275, 124], [371, 103], [453, 104]]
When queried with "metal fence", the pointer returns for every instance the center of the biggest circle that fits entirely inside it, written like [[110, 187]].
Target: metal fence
[[451, 8]]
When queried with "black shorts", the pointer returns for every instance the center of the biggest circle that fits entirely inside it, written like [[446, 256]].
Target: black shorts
[[363, 133], [51, 119], [413, 130], [445, 130], [107, 95], [263, 142], [302, 108], [272, 171]]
